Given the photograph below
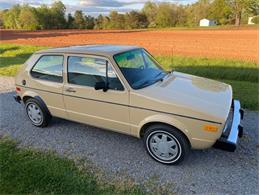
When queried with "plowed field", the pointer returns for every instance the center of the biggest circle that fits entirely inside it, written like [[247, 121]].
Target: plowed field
[[231, 44]]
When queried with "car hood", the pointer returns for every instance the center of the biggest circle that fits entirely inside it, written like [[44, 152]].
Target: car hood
[[190, 96]]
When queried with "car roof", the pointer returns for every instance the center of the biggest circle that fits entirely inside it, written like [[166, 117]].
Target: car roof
[[105, 50]]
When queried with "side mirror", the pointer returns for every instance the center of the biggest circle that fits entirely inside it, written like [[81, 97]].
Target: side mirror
[[101, 85]]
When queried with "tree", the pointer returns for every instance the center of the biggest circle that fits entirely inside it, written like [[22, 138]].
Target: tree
[[27, 18], [11, 17], [106, 24], [44, 17], [252, 7], [150, 11], [89, 22], [255, 20], [70, 21], [79, 21], [136, 20], [198, 11], [99, 22], [57, 11], [152, 15], [164, 17], [237, 7], [220, 11], [2, 13], [117, 21], [181, 16]]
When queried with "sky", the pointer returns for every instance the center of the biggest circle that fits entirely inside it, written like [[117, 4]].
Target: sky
[[92, 7]]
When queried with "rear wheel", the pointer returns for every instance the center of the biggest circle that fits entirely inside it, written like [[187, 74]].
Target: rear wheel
[[36, 113], [166, 144]]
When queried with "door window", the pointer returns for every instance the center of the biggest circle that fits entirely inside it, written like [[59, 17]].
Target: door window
[[88, 71], [48, 67]]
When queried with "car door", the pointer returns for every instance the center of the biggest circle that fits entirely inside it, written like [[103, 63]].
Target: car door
[[46, 81], [106, 109]]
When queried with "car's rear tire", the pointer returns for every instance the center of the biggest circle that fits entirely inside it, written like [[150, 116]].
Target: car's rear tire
[[166, 144], [37, 113]]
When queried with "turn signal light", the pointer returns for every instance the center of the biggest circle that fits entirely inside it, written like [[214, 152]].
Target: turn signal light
[[210, 128]]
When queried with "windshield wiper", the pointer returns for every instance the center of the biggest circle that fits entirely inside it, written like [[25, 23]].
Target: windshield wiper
[[150, 82], [144, 84], [160, 79]]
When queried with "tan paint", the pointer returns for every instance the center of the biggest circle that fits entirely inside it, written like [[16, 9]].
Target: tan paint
[[184, 101]]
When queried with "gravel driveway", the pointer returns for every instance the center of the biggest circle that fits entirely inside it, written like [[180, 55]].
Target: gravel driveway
[[207, 171]]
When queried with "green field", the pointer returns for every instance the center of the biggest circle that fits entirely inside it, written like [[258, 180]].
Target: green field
[[242, 75], [25, 171]]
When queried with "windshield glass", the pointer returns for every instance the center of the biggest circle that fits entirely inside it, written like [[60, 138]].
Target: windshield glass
[[139, 68]]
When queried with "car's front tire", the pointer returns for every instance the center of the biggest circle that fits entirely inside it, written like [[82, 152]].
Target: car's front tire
[[36, 112], [166, 144]]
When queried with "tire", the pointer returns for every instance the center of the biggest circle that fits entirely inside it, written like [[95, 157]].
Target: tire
[[166, 144], [37, 113]]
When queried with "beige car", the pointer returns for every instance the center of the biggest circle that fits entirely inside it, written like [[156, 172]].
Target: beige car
[[124, 89]]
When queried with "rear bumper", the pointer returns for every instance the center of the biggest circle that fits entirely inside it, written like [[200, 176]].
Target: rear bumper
[[229, 138]]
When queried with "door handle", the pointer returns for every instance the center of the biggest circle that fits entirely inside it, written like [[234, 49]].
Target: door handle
[[70, 89]]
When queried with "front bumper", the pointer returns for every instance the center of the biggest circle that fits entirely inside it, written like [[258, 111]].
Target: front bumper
[[229, 138]]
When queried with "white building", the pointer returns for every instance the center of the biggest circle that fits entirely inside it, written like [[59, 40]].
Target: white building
[[207, 22], [250, 20]]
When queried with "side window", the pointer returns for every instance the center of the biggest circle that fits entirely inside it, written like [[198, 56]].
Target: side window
[[89, 70], [49, 68]]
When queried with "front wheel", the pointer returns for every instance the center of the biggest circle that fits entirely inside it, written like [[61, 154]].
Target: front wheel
[[166, 144]]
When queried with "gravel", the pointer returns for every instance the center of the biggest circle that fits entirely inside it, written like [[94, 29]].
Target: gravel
[[205, 171]]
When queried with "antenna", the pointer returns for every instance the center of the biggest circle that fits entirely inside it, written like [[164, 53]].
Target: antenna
[[172, 58]]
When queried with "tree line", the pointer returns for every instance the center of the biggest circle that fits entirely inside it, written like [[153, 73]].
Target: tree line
[[152, 15]]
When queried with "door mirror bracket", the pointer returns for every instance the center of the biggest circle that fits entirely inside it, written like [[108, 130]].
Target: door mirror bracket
[[103, 85]]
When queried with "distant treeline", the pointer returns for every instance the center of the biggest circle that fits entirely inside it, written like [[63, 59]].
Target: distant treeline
[[152, 15]]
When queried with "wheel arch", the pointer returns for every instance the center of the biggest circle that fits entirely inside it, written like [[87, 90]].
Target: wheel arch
[[39, 100], [27, 95], [147, 125], [164, 120]]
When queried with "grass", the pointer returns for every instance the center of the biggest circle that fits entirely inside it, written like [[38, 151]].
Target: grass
[[12, 56], [25, 171], [242, 75], [246, 92]]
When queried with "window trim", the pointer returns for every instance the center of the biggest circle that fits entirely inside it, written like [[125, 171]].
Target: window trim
[[43, 55], [92, 56]]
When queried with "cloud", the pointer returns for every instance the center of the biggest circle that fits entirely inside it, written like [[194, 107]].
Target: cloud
[[5, 4], [110, 3], [96, 10], [101, 3], [92, 7], [121, 3]]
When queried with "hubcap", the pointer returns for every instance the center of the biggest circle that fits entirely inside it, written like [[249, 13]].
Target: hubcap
[[164, 146], [34, 113]]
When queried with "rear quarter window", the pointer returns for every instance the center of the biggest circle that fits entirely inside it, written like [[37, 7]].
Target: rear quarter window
[[49, 67]]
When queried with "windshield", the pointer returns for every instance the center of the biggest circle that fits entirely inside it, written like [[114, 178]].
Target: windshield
[[139, 68]]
